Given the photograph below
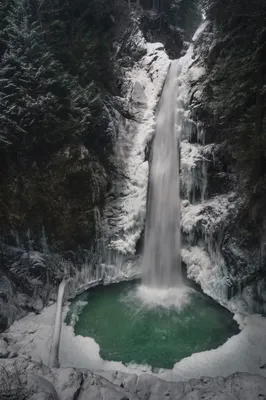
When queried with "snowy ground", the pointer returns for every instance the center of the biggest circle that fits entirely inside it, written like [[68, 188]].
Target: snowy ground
[[244, 352]]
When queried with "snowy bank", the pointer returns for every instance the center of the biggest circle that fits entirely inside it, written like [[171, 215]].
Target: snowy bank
[[245, 352]]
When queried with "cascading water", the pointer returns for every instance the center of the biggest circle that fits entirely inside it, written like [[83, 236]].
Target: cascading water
[[161, 262]]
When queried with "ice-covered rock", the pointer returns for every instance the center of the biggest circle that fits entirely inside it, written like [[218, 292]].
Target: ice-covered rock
[[224, 248], [124, 216]]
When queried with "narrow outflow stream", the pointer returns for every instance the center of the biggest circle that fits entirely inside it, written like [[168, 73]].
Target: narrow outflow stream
[[161, 263]]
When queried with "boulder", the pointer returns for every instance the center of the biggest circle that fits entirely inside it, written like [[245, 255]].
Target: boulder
[[4, 353], [3, 344]]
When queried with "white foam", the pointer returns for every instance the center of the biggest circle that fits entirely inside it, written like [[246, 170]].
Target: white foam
[[176, 297]]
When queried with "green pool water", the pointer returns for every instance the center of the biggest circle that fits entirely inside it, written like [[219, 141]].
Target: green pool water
[[131, 331]]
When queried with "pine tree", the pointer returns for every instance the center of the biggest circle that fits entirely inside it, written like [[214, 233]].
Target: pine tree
[[41, 105], [3, 14], [32, 98]]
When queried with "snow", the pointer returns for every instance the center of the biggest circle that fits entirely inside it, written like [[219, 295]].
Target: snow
[[190, 155], [203, 259], [152, 47], [33, 335], [208, 213], [129, 270], [244, 352], [210, 276], [192, 176]]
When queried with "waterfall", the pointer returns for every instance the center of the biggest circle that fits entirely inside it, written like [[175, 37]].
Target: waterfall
[[161, 261]]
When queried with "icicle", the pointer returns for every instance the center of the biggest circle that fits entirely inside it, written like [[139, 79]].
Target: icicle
[[204, 180], [200, 133], [17, 239], [30, 241]]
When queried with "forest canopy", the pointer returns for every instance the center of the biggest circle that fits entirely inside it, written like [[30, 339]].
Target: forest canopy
[[54, 64]]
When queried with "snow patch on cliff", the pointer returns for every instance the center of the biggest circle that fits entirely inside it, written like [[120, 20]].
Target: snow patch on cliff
[[209, 213]]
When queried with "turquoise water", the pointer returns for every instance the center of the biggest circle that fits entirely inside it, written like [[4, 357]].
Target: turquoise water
[[130, 332]]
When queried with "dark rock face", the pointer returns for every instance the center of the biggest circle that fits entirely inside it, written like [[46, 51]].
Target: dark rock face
[[243, 249], [57, 198], [172, 23], [156, 28]]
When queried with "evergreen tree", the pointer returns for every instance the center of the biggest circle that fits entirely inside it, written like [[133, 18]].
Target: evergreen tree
[[41, 104], [3, 22]]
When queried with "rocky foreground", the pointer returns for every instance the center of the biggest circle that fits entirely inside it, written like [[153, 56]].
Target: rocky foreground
[[31, 380], [28, 378]]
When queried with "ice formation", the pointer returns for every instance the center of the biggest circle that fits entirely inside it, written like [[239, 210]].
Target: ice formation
[[124, 216]]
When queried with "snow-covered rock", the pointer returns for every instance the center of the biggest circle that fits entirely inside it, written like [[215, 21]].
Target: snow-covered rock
[[224, 249], [3, 344], [4, 353], [74, 384]]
